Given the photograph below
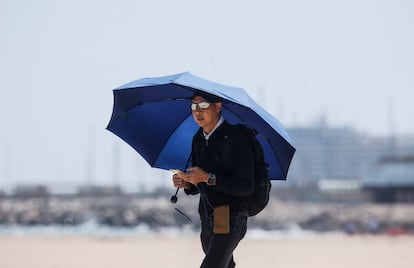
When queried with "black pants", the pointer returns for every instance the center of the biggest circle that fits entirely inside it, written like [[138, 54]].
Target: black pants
[[219, 247]]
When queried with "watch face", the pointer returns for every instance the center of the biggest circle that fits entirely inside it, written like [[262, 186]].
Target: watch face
[[210, 179]]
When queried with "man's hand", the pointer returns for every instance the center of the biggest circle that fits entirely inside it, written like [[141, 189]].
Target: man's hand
[[179, 182], [194, 175]]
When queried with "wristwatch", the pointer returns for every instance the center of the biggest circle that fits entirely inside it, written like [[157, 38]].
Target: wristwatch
[[211, 180]]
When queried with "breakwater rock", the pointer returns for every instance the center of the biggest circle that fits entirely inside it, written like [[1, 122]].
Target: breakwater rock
[[158, 212]]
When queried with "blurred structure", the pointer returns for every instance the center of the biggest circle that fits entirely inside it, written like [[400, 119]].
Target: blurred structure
[[392, 180], [99, 190], [326, 153], [342, 164], [25, 191]]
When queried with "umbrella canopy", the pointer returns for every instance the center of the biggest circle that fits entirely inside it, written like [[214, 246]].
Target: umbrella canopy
[[153, 116]]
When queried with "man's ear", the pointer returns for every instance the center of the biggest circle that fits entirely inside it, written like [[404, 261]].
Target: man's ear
[[218, 106]]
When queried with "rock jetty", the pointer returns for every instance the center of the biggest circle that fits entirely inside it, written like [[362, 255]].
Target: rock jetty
[[157, 212]]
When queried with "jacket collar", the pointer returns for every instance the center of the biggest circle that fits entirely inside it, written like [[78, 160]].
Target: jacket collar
[[207, 136]]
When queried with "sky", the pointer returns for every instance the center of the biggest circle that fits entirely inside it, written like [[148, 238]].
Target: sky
[[350, 62]]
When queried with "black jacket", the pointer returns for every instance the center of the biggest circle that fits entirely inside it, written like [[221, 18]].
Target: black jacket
[[229, 155]]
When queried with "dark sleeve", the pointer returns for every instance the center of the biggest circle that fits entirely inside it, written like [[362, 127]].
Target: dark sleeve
[[240, 181], [192, 190]]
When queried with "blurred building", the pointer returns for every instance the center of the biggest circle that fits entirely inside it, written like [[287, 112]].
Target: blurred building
[[31, 190], [330, 153], [392, 179]]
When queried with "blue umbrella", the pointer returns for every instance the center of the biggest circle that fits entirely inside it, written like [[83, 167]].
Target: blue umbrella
[[153, 116]]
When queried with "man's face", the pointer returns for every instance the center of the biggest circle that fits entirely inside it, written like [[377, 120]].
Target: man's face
[[206, 118]]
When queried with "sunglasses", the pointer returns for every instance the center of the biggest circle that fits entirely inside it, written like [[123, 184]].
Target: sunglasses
[[201, 105]]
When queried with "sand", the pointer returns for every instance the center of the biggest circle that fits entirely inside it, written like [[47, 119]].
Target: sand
[[333, 251]]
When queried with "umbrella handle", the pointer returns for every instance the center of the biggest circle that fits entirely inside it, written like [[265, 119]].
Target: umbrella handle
[[174, 198]]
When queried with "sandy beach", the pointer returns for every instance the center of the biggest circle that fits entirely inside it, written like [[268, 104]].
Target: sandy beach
[[160, 251]]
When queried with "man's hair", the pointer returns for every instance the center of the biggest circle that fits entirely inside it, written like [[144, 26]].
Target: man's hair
[[207, 96]]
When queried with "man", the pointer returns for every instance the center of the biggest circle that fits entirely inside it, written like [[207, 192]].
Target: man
[[224, 178]]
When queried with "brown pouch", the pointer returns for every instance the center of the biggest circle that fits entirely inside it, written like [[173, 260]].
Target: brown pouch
[[221, 217]]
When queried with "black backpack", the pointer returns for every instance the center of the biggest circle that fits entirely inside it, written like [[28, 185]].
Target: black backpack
[[262, 185]]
